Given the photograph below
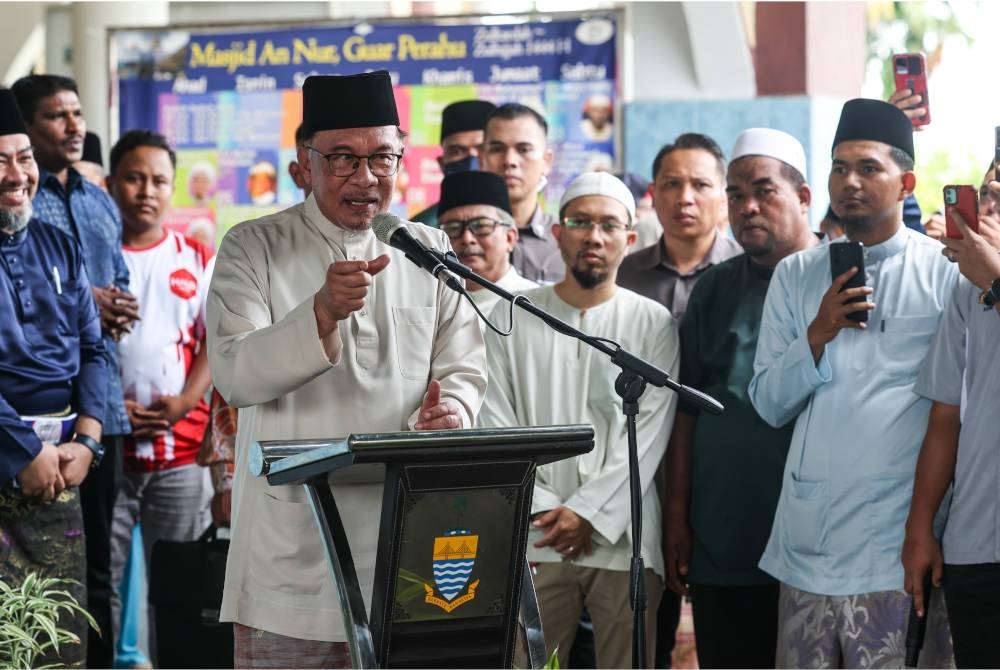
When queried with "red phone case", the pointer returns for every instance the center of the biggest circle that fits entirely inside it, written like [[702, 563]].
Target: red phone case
[[907, 77], [966, 204]]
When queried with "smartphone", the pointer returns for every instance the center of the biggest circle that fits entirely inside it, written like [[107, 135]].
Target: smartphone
[[910, 71], [843, 257], [996, 156], [963, 199]]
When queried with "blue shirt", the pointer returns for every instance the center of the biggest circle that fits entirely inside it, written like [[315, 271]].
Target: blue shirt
[[51, 352], [963, 369], [90, 216], [845, 493]]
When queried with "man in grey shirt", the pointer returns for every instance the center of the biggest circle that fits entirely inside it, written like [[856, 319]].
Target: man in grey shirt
[[962, 376], [689, 181], [516, 147]]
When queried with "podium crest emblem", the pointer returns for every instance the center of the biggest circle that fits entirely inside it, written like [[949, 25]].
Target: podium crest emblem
[[453, 560]]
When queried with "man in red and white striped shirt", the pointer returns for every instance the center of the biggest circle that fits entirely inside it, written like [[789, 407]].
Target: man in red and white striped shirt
[[164, 367]]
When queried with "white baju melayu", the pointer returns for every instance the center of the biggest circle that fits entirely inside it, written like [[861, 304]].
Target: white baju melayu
[[512, 281], [369, 376], [539, 377]]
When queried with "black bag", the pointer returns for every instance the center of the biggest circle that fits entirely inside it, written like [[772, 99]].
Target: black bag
[[185, 593]]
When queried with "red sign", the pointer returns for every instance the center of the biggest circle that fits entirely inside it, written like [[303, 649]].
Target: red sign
[[183, 284]]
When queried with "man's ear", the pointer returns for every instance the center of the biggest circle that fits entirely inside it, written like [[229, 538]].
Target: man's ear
[[305, 165], [805, 198], [909, 179], [512, 235]]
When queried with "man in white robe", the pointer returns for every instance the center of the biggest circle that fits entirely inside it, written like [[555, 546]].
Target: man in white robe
[[581, 531], [316, 329], [475, 213]]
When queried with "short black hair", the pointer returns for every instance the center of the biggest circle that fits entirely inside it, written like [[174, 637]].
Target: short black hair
[[301, 135], [692, 141], [134, 139], [31, 90], [515, 110], [902, 159]]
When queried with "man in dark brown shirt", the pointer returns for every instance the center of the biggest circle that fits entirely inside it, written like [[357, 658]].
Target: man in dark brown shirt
[[689, 197]]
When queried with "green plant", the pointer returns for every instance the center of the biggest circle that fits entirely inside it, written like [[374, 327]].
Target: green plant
[[553, 662], [29, 618]]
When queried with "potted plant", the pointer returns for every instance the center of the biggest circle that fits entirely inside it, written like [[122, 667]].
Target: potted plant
[[29, 620]]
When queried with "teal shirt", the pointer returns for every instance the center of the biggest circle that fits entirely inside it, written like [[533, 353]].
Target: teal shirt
[[428, 217], [738, 458]]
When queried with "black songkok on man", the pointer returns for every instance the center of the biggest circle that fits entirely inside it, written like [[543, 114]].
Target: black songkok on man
[[92, 149], [473, 188], [463, 116], [876, 121], [11, 122], [334, 102]]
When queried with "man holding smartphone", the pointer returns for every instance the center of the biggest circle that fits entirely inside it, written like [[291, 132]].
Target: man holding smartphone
[[848, 386], [962, 378]]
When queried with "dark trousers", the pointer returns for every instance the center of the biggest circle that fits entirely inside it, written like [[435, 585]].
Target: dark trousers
[[972, 597], [735, 626], [97, 497], [667, 617]]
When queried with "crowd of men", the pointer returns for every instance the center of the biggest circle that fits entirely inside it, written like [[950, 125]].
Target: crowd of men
[[854, 458]]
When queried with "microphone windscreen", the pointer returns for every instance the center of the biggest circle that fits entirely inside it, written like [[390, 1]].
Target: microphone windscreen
[[384, 225]]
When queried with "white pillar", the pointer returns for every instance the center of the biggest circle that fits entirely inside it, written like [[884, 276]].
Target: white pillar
[[91, 21]]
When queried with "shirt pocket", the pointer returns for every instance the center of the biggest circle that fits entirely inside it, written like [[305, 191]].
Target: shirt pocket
[[806, 519], [280, 560], [67, 313], [414, 330], [904, 342]]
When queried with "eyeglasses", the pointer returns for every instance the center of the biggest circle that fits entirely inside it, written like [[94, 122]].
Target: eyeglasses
[[345, 165], [608, 226], [481, 226]]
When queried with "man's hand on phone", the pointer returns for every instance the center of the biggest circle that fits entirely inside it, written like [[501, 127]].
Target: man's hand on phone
[[833, 311], [910, 104]]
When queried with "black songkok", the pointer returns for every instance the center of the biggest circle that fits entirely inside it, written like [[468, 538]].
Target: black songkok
[[92, 149], [459, 117], [11, 122], [473, 188], [333, 102], [876, 121]]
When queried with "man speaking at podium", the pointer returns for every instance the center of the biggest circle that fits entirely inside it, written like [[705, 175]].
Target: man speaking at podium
[[316, 329]]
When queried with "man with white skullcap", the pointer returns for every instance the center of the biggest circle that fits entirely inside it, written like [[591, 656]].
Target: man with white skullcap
[[538, 377], [724, 472]]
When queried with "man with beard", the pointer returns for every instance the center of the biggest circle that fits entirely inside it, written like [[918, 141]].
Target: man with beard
[[52, 387], [724, 472], [318, 329], [516, 147], [580, 508], [66, 200], [848, 386], [475, 215]]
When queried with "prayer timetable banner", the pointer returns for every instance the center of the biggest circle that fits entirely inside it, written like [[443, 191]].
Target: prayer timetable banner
[[229, 101]]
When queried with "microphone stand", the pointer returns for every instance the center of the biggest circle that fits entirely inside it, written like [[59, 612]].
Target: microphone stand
[[630, 384]]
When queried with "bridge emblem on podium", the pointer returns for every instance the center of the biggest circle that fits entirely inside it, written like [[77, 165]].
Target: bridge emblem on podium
[[454, 558]]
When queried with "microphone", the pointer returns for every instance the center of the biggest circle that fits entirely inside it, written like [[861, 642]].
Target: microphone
[[391, 230]]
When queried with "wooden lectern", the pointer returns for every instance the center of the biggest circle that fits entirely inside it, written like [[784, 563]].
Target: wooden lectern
[[450, 573]]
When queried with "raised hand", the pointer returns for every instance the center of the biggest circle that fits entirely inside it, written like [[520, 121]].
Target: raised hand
[[435, 413], [344, 291]]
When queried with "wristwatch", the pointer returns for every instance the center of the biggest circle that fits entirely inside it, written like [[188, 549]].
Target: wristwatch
[[93, 445], [991, 296]]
